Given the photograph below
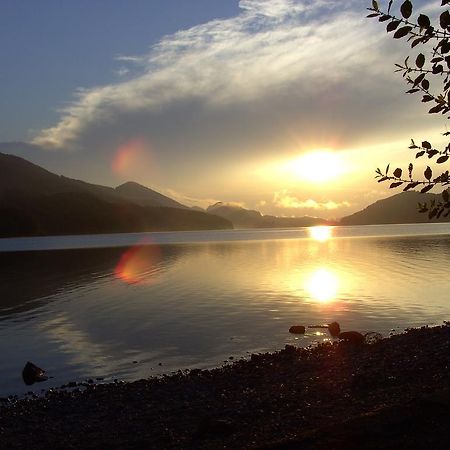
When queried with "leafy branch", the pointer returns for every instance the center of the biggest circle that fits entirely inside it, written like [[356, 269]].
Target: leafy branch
[[432, 65]]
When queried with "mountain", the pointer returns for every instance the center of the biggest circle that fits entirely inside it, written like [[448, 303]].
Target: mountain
[[34, 201], [400, 208], [144, 196], [247, 218]]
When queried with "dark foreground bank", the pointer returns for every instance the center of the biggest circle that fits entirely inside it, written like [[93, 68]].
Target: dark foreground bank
[[390, 394]]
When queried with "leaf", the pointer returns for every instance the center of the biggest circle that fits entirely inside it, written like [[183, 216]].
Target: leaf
[[402, 32], [423, 21], [437, 69], [410, 186], [375, 5], [398, 172], [419, 154], [387, 169], [396, 184], [426, 144], [391, 26], [427, 188], [442, 159], [382, 179], [435, 109], [432, 153], [383, 18], [426, 85], [428, 173], [419, 79], [412, 91], [420, 60], [406, 9], [444, 19]]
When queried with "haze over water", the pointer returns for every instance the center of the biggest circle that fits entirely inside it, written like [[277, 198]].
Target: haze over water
[[195, 299]]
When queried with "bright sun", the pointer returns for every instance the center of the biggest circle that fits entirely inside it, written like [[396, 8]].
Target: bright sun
[[318, 166]]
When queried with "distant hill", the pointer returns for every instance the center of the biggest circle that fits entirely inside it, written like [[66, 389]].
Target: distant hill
[[247, 218], [34, 201], [400, 208], [144, 196]]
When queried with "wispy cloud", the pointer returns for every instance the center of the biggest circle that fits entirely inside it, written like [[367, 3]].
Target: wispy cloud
[[274, 47]]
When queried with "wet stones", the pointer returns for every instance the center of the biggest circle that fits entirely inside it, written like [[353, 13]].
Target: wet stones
[[334, 329], [33, 374], [352, 337], [297, 329]]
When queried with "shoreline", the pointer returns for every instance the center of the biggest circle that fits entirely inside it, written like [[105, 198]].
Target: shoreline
[[382, 395]]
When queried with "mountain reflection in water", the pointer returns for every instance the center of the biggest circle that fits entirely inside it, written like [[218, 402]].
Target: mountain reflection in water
[[120, 312]]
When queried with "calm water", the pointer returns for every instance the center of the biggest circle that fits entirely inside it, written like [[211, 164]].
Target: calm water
[[193, 299]]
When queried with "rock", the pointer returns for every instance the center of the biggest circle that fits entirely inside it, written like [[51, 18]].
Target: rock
[[32, 374], [334, 329], [352, 337], [297, 329]]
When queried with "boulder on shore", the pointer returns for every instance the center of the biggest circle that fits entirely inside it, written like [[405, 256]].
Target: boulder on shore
[[32, 374], [297, 329], [352, 337]]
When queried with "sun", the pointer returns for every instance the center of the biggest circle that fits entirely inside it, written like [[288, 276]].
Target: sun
[[318, 166]]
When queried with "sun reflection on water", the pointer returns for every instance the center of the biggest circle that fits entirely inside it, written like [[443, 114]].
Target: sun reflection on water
[[320, 233], [323, 285]]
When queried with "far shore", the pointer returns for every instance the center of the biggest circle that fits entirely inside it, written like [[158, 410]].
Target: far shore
[[394, 393]]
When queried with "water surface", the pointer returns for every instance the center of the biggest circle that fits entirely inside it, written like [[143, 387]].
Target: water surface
[[193, 299]]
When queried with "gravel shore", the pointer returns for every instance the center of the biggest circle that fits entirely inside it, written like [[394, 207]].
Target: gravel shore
[[394, 393]]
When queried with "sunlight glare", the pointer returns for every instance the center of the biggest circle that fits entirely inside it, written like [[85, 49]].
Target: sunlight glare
[[320, 233], [323, 285], [319, 166]]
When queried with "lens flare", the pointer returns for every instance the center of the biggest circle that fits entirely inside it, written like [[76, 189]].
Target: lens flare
[[139, 264], [320, 233], [323, 285], [131, 157]]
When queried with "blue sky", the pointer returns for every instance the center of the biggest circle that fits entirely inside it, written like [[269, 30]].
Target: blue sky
[[210, 100]]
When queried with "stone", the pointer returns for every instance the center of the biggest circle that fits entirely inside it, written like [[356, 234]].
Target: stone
[[352, 337], [297, 329], [334, 329], [33, 374]]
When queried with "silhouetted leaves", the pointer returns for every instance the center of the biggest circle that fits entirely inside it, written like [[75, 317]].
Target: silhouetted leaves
[[420, 60], [402, 32], [427, 188], [423, 21], [430, 75], [406, 9], [391, 26], [397, 173], [444, 19]]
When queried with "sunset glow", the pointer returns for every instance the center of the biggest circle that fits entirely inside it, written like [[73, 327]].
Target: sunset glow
[[318, 166]]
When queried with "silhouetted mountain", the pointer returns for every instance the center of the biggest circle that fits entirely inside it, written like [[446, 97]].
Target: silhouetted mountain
[[247, 218], [145, 196], [34, 201], [400, 208]]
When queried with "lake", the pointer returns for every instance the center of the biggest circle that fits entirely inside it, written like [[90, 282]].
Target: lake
[[129, 306]]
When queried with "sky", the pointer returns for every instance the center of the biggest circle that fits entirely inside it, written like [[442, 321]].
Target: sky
[[285, 106]]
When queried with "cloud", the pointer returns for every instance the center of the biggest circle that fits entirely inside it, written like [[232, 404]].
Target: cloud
[[283, 199], [285, 53]]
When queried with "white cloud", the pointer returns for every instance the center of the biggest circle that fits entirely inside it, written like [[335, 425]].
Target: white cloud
[[283, 199], [273, 47]]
